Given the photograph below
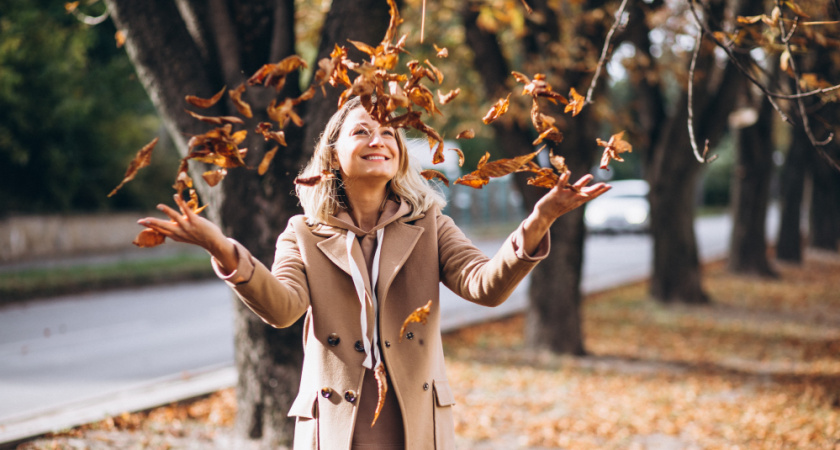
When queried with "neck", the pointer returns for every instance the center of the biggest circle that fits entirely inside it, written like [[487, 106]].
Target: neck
[[365, 204]]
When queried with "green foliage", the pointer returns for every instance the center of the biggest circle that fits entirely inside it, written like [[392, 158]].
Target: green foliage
[[72, 114]]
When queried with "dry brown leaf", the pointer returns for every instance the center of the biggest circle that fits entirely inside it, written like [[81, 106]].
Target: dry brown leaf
[[243, 107], [218, 120], [148, 238], [213, 177], [142, 159], [497, 110], [314, 180], [381, 376], [419, 315], [119, 37], [495, 169], [615, 146], [275, 74], [466, 134], [444, 99], [441, 52], [264, 128], [576, 102], [431, 173], [266, 161], [205, 103]]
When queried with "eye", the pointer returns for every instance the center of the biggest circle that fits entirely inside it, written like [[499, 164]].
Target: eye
[[388, 132], [360, 131]]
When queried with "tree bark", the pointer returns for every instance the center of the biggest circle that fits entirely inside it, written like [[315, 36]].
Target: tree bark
[[190, 47], [751, 190], [792, 184], [825, 205]]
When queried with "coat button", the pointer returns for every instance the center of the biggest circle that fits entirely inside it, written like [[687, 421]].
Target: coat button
[[326, 392], [425, 386], [350, 396], [409, 335], [387, 343], [359, 346], [333, 339]]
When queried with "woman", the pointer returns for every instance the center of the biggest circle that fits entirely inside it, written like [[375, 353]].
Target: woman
[[372, 247]]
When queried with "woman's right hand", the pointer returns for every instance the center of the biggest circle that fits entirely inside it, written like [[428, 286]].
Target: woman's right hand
[[191, 228]]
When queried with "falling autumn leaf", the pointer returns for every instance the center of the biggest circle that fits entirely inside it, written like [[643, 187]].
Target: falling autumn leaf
[[499, 168], [444, 99], [213, 177], [466, 134], [205, 103], [218, 120], [576, 102], [142, 159], [264, 128], [496, 111], [119, 37], [612, 148], [381, 376], [274, 75], [149, 238], [70, 6], [266, 161], [441, 52], [419, 315], [538, 87], [431, 173], [236, 97], [315, 179]]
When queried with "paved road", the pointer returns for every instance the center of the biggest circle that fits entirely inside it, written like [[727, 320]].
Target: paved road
[[88, 356]]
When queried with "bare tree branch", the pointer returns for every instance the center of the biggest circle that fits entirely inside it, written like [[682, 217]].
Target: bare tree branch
[[799, 101], [619, 15], [700, 158]]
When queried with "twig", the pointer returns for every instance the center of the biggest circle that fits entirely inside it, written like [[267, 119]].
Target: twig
[[528, 8], [423, 22], [90, 20], [801, 104], [700, 158], [605, 51], [734, 59]]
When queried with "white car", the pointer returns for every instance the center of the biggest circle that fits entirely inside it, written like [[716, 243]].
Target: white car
[[622, 209]]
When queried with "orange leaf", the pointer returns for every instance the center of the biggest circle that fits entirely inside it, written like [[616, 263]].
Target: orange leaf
[[441, 52], [148, 238], [382, 387], [266, 161], [220, 120], [314, 180], [431, 173], [444, 99], [419, 315], [142, 159], [496, 111], [205, 102], [615, 146], [213, 177], [576, 102], [243, 107], [466, 134], [119, 37]]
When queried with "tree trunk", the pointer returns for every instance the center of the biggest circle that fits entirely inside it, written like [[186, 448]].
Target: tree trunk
[[676, 275], [191, 47], [751, 189], [553, 317], [825, 205], [792, 184]]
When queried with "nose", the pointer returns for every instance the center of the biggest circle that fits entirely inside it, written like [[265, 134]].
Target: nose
[[376, 139]]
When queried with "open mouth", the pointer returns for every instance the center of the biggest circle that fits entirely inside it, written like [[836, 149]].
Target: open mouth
[[375, 158]]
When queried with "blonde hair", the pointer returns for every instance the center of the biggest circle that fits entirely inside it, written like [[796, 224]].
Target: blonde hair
[[326, 198]]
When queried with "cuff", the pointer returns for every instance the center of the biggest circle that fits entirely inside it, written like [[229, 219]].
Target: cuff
[[244, 267], [539, 254]]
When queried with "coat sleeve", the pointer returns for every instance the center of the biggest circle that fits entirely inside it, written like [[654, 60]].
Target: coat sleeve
[[279, 296], [472, 275]]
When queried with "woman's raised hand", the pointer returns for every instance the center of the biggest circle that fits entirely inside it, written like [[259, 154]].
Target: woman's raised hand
[[558, 201], [189, 227]]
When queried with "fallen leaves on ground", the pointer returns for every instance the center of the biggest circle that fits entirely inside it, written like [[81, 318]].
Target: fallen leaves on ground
[[757, 368]]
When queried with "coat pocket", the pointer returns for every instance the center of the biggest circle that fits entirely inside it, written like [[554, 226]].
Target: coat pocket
[[305, 411], [444, 421]]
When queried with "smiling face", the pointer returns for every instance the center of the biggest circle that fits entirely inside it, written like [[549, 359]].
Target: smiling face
[[366, 151]]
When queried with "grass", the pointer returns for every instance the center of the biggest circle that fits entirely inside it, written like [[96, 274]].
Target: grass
[[17, 285], [758, 368]]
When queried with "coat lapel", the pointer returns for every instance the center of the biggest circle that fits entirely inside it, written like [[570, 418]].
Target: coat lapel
[[398, 242], [335, 248]]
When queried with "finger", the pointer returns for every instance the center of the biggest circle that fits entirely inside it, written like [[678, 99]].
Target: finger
[[584, 180], [174, 215], [162, 226]]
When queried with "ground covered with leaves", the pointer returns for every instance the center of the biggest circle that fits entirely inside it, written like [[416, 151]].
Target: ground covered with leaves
[[757, 368]]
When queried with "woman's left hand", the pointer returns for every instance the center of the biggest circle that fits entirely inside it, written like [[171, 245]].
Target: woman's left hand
[[558, 201]]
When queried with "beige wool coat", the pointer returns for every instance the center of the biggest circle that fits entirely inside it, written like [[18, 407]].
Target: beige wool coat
[[311, 275]]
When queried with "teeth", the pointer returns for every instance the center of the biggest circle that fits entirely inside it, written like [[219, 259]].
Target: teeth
[[375, 158]]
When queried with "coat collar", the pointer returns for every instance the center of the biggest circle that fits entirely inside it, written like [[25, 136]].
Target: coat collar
[[398, 242]]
